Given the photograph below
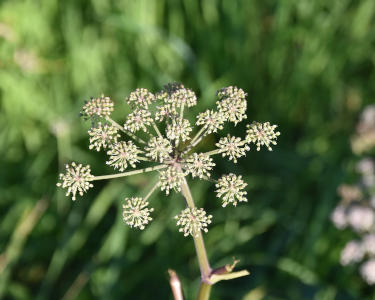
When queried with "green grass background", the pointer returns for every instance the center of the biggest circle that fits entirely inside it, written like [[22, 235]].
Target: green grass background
[[306, 65]]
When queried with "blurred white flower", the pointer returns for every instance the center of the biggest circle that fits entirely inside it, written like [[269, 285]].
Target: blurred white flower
[[351, 253], [368, 243], [365, 166], [361, 218], [339, 218], [368, 271]]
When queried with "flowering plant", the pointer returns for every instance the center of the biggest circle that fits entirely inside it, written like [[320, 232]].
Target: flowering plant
[[157, 132], [356, 209]]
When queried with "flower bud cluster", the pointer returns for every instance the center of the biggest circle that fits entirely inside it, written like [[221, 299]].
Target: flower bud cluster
[[136, 213], [100, 107], [137, 120], [171, 179], [199, 165], [262, 134], [123, 153], [140, 98], [233, 147], [192, 221], [102, 136], [231, 189], [77, 179], [177, 95]]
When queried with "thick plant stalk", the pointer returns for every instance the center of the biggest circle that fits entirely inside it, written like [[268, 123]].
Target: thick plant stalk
[[204, 291], [204, 265]]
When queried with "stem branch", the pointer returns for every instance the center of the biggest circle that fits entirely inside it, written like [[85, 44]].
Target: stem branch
[[149, 169], [118, 126]]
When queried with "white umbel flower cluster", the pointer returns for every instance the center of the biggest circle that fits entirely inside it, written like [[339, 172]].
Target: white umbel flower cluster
[[199, 165], [177, 95], [158, 134], [165, 112], [136, 213], [101, 136], [170, 179], [140, 98], [352, 253], [159, 149], [97, 107], [231, 189], [262, 134], [179, 130], [137, 120], [123, 154], [233, 147], [232, 104], [368, 271], [76, 179], [211, 120], [192, 221]]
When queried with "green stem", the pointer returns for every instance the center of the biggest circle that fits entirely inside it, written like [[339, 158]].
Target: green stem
[[204, 291], [200, 249], [182, 112], [156, 129], [118, 126], [193, 141], [213, 152], [152, 190], [149, 169]]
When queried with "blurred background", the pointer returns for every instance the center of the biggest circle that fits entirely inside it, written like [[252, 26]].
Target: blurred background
[[307, 66]]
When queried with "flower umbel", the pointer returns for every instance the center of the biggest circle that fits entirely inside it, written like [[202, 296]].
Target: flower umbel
[[100, 107], [232, 104], [171, 178], [140, 98], [233, 147], [123, 153], [158, 132], [138, 119], [230, 189], [159, 149], [211, 120], [199, 165], [102, 135], [177, 94], [262, 134], [179, 129], [136, 212], [193, 220], [77, 179]]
